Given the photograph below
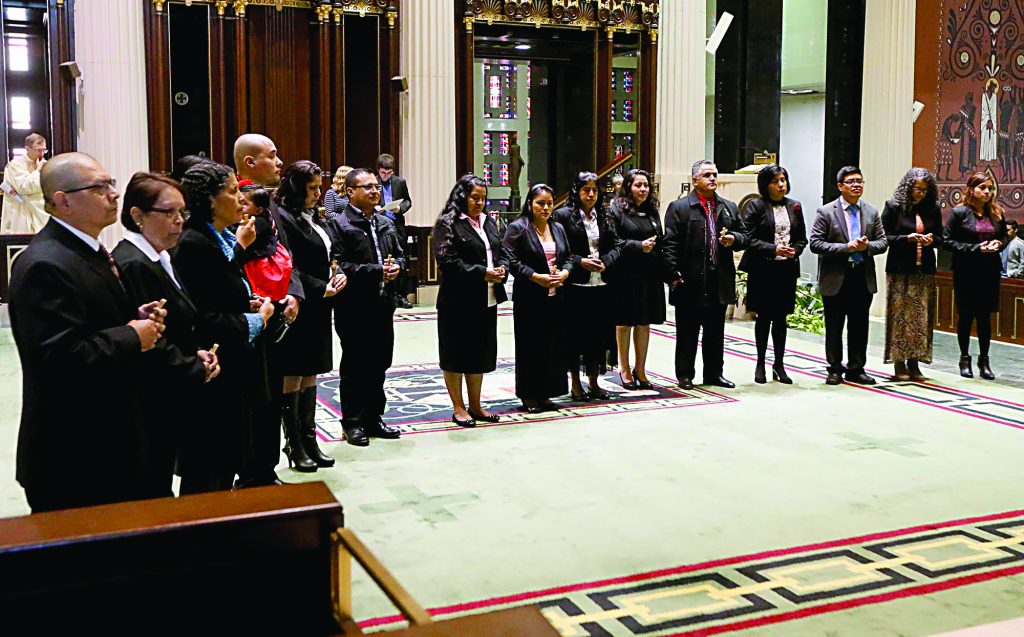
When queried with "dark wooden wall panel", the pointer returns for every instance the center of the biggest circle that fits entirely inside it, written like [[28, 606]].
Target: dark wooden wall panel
[[363, 108]]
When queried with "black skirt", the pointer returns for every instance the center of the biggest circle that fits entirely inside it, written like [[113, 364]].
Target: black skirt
[[540, 355], [976, 284], [771, 289], [589, 329], [638, 301], [306, 349], [467, 339]]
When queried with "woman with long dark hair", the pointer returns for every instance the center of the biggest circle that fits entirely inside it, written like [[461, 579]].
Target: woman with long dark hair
[[638, 288], [777, 234], [976, 233], [539, 259], [589, 328], [467, 246], [913, 227], [306, 349], [219, 440]]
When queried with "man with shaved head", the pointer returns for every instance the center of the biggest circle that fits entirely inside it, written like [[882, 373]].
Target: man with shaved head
[[256, 159], [80, 340]]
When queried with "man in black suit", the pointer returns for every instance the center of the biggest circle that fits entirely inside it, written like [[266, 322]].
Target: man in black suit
[[701, 233], [79, 339], [394, 188], [367, 250], [846, 236], [256, 159]]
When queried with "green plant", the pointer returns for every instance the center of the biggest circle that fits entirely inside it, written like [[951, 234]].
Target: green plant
[[809, 313]]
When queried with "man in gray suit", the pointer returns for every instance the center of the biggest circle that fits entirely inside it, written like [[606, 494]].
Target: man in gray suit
[[846, 236]]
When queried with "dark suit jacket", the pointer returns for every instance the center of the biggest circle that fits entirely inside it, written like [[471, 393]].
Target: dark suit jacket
[[633, 263], [960, 236], [522, 249], [295, 283], [829, 239], [609, 246], [462, 258], [900, 222], [685, 249], [309, 257], [759, 226], [82, 425], [399, 190], [352, 247]]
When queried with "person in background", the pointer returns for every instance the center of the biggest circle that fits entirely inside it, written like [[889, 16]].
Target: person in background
[[23, 209], [394, 188], [1013, 254], [335, 199]]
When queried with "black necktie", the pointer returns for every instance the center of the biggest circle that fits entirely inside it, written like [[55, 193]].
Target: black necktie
[[712, 235], [111, 262]]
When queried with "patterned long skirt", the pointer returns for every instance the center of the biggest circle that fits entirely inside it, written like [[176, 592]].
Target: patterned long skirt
[[909, 317]]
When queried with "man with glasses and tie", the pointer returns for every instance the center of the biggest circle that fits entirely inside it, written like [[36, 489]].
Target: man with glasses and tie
[[23, 211], [701, 232], [846, 236], [366, 248], [80, 341]]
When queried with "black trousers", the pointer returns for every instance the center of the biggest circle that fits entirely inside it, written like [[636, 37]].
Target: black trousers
[[266, 426], [850, 307], [689, 321], [367, 344]]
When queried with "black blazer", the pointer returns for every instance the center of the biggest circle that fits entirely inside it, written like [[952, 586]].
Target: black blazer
[[462, 258], [900, 222], [960, 236], [400, 190], [294, 283], [310, 258], [759, 226], [352, 247], [609, 245], [685, 248], [522, 249], [69, 317], [632, 230]]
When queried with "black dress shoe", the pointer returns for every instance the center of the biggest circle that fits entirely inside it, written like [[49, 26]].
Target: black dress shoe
[[860, 378], [356, 436], [834, 378], [642, 384], [381, 430], [721, 381], [582, 397], [686, 383], [404, 303], [534, 409], [547, 405], [599, 394], [484, 418], [469, 422], [630, 386]]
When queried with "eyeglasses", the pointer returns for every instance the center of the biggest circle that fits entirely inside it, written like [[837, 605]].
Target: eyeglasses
[[854, 182], [917, 189], [109, 184], [368, 186], [172, 212]]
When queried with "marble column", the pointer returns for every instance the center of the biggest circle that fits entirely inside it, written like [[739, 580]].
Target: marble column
[[427, 155], [681, 72], [112, 124], [886, 140]]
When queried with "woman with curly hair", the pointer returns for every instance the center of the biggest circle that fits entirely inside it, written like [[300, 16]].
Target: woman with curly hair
[[913, 224], [589, 330], [467, 245], [976, 233]]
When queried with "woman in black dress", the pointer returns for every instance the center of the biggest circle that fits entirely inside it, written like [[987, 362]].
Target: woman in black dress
[[775, 225], [152, 215], [589, 329], [306, 349], [219, 438], [539, 259], [638, 288], [913, 227], [467, 246], [976, 234]]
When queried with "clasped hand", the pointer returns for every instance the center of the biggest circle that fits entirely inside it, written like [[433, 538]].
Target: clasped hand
[[858, 245], [335, 285], [391, 271], [592, 265], [648, 244], [785, 251], [991, 246], [495, 275], [211, 364], [923, 239], [553, 280], [149, 327]]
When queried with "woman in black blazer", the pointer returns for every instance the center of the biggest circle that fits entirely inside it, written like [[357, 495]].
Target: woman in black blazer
[[220, 427], [306, 349], [638, 280], [913, 226], [153, 213], [976, 234], [467, 246], [539, 259], [775, 226], [589, 327]]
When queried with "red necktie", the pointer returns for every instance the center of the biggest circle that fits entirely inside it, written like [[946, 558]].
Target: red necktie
[[110, 260]]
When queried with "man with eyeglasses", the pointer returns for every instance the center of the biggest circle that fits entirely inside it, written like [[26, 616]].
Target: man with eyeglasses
[[23, 210], [366, 248], [79, 339], [846, 236]]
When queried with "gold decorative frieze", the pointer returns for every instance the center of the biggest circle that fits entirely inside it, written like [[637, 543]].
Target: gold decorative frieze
[[323, 8], [621, 15]]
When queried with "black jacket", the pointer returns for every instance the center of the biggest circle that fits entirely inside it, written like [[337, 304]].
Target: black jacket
[[759, 226], [685, 249], [960, 236], [609, 245], [900, 222], [522, 249], [462, 258], [632, 230], [310, 259], [352, 247]]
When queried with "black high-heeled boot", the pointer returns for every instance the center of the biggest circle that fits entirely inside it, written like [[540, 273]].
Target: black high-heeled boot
[[965, 367], [984, 370], [779, 373], [759, 375], [293, 448], [307, 426]]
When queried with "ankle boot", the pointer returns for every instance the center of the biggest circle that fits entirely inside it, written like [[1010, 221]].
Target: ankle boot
[[983, 368], [900, 370], [779, 373], [759, 376], [915, 371], [965, 366], [307, 425], [293, 446]]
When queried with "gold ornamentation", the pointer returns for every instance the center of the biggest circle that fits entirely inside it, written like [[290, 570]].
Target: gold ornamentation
[[239, 6], [628, 15], [323, 13], [158, 5], [222, 6]]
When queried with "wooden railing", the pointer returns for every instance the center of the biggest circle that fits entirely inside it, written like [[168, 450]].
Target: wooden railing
[[606, 170]]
